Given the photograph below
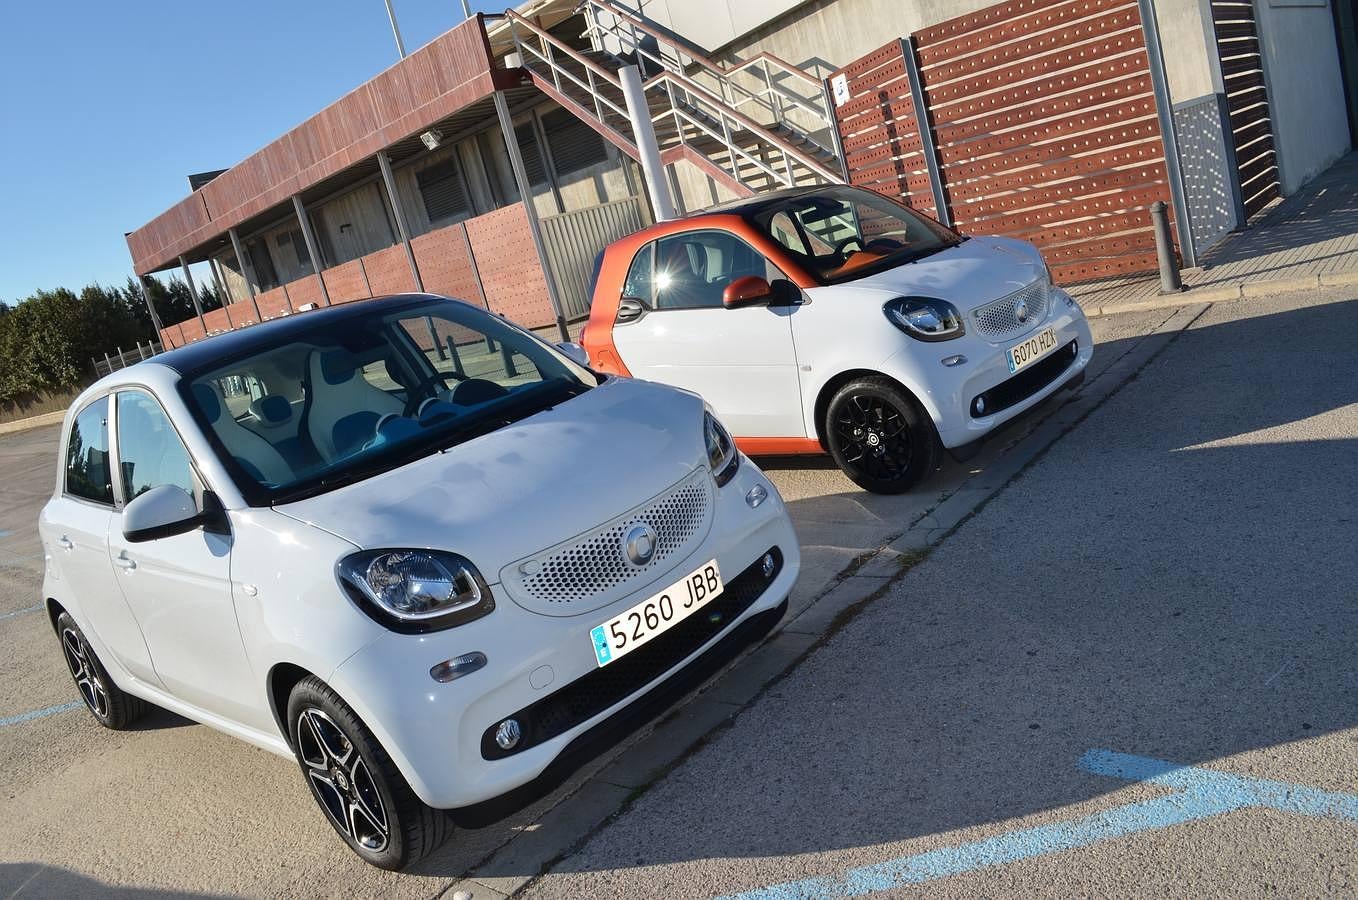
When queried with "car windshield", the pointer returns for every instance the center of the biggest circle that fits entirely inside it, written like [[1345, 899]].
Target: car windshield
[[842, 233], [363, 394]]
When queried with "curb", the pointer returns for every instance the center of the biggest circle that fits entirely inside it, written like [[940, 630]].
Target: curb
[[1234, 290], [607, 789], [31, 422]]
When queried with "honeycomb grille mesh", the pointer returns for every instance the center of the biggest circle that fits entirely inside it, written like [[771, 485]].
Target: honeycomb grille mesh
[[592, 570], [999, 319]]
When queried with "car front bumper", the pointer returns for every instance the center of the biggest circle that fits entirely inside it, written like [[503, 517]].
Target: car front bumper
[[949, 392], [540, 665]]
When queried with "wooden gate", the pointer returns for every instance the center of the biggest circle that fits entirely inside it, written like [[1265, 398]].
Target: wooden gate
[[1242, 73], [1042, 125]]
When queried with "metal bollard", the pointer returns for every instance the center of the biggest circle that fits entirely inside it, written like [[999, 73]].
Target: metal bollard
[[1170, 282]]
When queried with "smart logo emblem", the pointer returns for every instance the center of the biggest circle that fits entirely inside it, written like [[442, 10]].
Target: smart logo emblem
[[1021, 310], [639, 544]]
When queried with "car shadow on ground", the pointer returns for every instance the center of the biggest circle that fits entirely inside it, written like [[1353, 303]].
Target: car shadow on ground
[[38, 880], [1174, 579]]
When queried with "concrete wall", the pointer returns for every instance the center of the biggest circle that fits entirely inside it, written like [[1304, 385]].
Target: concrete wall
[[1305, 88]]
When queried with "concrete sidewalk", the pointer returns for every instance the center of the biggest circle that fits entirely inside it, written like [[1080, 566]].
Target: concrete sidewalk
[[1307, 240]]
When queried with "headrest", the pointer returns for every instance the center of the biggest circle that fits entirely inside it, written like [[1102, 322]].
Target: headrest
[[273, 409], [679, 261], [208, 402], [337, 366], [477, 390]]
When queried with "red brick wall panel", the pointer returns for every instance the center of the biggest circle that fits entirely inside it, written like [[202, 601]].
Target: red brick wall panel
[[389, 271], [218, 320], [191, 330], [305, 290], [444, 264], [508, 262], [273, 304], [346, 282]]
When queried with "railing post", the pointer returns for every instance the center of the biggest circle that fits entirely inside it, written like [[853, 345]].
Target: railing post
[[926, 130], [836, 141], [594, 93], [774, 99], [643, 133], [1165, 111]]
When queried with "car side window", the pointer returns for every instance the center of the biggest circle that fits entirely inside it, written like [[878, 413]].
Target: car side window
[[149, 450], [693, 269], [639, 284], [87, 467]]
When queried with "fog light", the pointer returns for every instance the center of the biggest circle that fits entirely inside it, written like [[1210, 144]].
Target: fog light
[[756, 495], [956, 359], [769, 565], [452, 669], [508, 734], [979, 406]]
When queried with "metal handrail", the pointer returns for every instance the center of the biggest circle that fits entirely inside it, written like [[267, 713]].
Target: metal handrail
[[693, 94], [772, 97]]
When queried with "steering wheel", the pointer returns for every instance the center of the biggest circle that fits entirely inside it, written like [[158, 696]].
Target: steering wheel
[[843, 245], [419, 392]]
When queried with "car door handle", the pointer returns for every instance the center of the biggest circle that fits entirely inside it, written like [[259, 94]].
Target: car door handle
[[124, 563], [65, 543]]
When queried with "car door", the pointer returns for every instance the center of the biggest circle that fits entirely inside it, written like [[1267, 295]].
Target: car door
[[742, 361], [75, 526], [178, 587]]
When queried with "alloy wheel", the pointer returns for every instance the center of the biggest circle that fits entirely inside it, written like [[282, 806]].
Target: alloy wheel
[[341, 781], [87, 677], [875, 436]]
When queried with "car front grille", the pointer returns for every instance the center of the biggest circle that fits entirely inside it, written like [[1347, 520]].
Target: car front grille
[[592, 570], [999, 319], [587, 696], [1026, 383]]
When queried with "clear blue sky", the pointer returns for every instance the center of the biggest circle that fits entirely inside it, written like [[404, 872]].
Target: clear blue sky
[[105, 108]]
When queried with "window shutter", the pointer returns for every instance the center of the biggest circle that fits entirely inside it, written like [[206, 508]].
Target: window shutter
[[441, 188], [574, 144]]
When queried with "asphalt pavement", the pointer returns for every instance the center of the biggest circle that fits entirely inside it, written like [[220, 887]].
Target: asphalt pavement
[[1172, 579]]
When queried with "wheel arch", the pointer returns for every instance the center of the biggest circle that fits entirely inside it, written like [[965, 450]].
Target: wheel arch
[[838, 381], [54, 611], [282, 678]]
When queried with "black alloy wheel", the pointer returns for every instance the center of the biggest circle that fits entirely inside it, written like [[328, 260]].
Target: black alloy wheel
[[879, 436]]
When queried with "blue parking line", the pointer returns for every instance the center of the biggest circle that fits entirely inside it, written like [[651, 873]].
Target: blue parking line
[[1199, 794], [5, 534], [39, 713]]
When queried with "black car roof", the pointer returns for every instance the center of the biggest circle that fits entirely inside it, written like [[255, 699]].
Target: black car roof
[[208, 353]]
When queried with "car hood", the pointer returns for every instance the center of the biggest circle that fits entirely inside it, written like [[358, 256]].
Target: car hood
[[508, 494], [968, 275]]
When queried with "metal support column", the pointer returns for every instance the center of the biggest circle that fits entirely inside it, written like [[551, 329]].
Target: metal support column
[[309, 238], [193, 292], [926, 130], [526, 192], [828, 98], [398, 212], [643, 133], [1165, 110], [247, 272], [396, 31], [150, 307]]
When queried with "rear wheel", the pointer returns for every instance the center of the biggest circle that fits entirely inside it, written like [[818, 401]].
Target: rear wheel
[[110, 705], [356, 784], [879, 436]]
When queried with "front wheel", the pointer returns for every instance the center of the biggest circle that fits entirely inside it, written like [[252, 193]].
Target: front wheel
[[879, 436], [357, 785]]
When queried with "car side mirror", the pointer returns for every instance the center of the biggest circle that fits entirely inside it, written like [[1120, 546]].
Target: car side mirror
[[575, 352], [166, 510], [746, 291]]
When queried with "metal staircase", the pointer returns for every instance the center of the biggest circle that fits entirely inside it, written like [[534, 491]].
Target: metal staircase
[[760, 125]]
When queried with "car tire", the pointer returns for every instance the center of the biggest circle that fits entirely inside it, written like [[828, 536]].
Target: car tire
[[359, 789], [110, 705], [879, 436]]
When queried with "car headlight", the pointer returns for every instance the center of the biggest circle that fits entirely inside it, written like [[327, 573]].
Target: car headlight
[[722, 455], [415, 591], [925, 318]]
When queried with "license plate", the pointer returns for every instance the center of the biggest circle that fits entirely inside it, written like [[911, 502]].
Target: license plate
[[1030, 351], [629, 630]]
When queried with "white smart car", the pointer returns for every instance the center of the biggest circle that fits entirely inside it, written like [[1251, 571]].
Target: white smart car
[[408, 544], [834, 319]]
